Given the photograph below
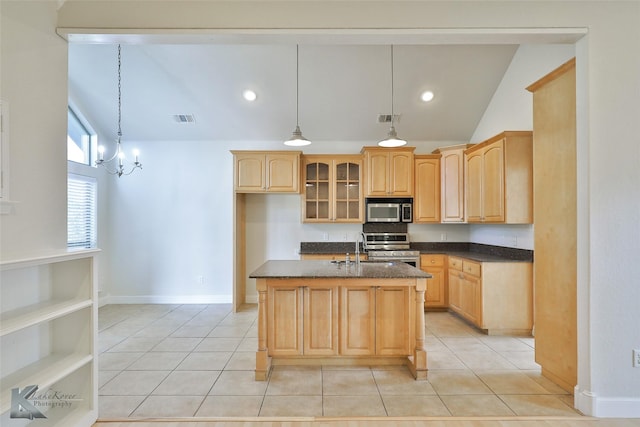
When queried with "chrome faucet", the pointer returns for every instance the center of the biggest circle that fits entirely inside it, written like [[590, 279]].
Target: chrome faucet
[[358, 247]]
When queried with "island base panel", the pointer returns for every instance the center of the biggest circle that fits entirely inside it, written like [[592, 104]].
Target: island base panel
[[418, 371], [263, 365]]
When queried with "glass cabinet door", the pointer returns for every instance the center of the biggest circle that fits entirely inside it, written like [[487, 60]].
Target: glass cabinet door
[[317, 191], [347, 191]]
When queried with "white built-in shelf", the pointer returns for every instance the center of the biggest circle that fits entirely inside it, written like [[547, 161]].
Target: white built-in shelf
[[48, 333], [35, 314], [68, 255], [43, 373]]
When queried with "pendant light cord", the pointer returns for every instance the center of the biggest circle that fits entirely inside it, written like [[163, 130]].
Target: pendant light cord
[[297, 82], [119, 95], [391, 85]]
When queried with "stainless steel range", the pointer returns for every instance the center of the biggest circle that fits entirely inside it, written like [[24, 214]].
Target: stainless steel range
[[390, 247]]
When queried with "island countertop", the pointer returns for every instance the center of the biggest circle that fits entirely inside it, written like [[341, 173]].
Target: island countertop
[[286, 269]]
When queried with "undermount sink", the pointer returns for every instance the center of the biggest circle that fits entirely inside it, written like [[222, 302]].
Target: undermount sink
[[362, 262]]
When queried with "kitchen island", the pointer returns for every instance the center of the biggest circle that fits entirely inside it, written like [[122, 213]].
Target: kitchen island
[[333, 313]]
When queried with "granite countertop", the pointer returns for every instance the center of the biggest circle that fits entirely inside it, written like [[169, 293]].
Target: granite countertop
[[328, 269], [474, 251]]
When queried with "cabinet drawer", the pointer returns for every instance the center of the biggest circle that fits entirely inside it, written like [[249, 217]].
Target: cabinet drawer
[[471, 267], [455, 263], [432, 260]]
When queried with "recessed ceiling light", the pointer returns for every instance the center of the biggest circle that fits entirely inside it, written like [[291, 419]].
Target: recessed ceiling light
[[426, 96], [249, 95]]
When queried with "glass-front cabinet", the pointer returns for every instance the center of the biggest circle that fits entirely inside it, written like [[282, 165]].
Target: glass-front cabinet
[[333, 189]]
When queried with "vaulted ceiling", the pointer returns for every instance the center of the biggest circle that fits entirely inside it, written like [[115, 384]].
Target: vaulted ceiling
[[342, 89]]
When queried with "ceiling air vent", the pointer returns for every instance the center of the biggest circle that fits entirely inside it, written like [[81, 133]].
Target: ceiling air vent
[[184, 118], [386, 118]]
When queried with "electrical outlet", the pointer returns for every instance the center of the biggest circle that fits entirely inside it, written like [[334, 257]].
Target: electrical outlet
[[636, 358], [325, 236], [443, 237], [514, 241], [200, 280]]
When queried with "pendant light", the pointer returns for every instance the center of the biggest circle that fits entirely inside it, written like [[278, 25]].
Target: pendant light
[[297, 140], [392, 139], [116, 164]]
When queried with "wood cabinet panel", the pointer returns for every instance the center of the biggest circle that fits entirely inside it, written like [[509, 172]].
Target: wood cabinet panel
[[389, 172], [555, 231], [401, 172], [470, 294], [454, 290], [393, 325], [436, 293], [473, 182], [285, 321], [499, 179], [357, 323], [378, 179], [266, 171], [452, 182], [426, 202], [249, 174], [320, 321], [493, 182]]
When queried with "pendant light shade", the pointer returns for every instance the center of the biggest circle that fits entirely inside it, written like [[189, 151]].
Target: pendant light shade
[[392, 139], [297, 140]]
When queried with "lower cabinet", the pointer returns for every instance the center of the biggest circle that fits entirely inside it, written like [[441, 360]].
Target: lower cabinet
[[436, 293], [304, 320], [465, 289], [495, 296], [374, 320]]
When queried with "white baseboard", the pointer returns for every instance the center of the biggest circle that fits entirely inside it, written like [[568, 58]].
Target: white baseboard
[[606, 407], [169, 299], [251, 299]]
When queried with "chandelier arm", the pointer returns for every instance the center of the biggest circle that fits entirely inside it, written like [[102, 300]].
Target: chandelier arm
[[133, 168]]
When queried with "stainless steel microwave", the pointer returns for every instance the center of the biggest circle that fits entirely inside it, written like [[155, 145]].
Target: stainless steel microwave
[[389, 210]]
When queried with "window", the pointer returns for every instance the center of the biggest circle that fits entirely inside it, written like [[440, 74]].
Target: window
[[81, 141], [81, 211]]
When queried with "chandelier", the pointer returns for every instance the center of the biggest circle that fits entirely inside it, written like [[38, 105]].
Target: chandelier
[[117, 164]]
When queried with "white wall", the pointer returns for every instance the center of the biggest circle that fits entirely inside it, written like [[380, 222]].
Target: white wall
[[170, 223], [511, 108], [34, 88]]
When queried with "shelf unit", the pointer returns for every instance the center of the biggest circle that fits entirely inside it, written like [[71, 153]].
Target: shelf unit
[[48, 324]]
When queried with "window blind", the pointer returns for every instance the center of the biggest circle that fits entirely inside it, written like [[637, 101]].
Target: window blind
[[81, 211]]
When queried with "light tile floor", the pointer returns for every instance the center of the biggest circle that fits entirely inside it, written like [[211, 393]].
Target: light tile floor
[[198, 360]]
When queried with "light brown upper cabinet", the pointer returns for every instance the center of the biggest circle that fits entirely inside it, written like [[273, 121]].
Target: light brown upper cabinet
[[452, 182], [389, 171], [333, 188], [499, 179], [426, 202], [266, 171]]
